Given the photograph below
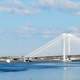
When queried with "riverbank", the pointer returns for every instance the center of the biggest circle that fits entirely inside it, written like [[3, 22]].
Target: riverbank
[[44, 58]]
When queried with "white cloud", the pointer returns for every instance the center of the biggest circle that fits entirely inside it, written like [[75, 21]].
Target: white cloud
[[60, 3], [72, 5], [46, 33], [26, 31], [75, 30], [76, 13], [47, 2], [31, 31], [17, 6], [63, 4], [51, 32]]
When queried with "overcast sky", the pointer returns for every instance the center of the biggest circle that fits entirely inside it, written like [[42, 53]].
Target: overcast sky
[[25, 25]]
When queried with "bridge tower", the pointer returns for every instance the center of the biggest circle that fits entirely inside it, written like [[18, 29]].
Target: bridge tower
[[66, 39], [64, 46]]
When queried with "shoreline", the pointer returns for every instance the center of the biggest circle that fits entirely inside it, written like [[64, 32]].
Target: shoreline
[[37, 59]]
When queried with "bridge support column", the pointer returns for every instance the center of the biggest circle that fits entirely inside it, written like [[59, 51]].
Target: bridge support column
[[69, 42], [64, 46]]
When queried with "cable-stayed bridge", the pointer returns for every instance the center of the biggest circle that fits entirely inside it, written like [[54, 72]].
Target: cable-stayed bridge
[[62, 47], [65, 47]]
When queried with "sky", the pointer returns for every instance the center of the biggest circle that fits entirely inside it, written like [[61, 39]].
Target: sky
[[25, 25]]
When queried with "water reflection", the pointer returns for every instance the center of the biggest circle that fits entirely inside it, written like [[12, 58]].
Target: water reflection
[[71, 73], [46, 71]]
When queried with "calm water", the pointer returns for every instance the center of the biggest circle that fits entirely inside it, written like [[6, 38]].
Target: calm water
[[45, 72]]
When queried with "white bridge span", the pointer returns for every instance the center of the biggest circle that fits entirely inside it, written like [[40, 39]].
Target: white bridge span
[[65, 44]]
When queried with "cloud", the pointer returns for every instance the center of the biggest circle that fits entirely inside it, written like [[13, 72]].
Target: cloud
[[69, 5], [26, 31], [31, 31], [47, 33], [74, 30], [76, 13], [72, 5], [50, 32], [60, 3], [53, 32], [17, 6], [47, 2]]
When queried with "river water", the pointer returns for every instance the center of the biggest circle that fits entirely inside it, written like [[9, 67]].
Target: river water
[[45, 72]]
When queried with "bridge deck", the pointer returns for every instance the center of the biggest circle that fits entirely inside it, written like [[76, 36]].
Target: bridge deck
[[44, 58]]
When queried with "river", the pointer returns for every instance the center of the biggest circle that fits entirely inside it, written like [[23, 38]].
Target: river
[[44, 72]]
